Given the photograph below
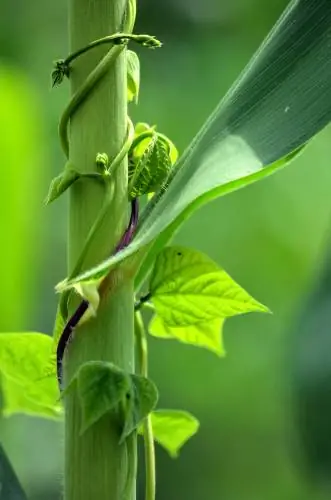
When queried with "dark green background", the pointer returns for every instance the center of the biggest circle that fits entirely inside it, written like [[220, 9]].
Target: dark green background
[[271, 237]]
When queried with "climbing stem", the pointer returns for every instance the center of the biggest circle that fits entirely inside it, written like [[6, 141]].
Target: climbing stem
[[142, 349], [95, 121]]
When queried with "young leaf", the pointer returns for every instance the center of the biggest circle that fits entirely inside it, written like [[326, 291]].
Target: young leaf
[[143, 400], [61, 183], [133, 75], [23, 361], [173, 428], [149, 165], [10, 488], [207, 335], [101, 387], [279, 103], [187, 288]]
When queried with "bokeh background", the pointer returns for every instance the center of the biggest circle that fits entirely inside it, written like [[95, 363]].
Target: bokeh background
[[260, 406]]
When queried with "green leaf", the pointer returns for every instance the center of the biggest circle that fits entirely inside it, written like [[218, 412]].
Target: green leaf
[[173, 428], [149, 165], [25, 389], [141, 128], [61, 183], [163, 239], [133, 75], [173, 152], [101, 387], [281, 100], [143, 399], [207, 335], [187, 288], [10, 488]]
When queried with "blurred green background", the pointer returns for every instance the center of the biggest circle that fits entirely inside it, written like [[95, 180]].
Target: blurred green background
[[271, 237]]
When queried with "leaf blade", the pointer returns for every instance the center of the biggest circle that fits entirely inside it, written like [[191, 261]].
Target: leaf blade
[[173, 428], [188, 288], [282, 99], [207, 335], [101, 387]]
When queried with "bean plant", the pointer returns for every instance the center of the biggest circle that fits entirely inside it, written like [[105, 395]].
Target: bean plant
[[130, 190]]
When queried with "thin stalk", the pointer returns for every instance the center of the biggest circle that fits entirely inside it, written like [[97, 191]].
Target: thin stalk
[[142, 348], [115, 39], [96, 466]]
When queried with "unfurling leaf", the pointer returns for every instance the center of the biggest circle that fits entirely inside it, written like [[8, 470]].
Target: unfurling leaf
[[61, 183], [150, 160], [207, 335], [173, 428], [133, 76], [25, 388], [142, 400], [149, 169], [188, 288]]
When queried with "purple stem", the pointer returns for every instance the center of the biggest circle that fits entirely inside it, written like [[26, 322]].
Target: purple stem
[[74, 319]]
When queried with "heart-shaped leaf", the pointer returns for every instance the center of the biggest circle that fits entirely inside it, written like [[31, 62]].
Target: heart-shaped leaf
[[101, 387], [282, 99], [187, 288], [173, 428]]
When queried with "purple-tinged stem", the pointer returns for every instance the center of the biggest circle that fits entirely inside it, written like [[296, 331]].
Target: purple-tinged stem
[[66, 335]]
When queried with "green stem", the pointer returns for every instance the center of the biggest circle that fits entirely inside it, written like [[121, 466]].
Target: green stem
[[115, 39], [142, 348], [96, 466], [109, 190]]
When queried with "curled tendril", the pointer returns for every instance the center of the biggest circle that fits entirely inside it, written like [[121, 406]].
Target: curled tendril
[[62, 66]]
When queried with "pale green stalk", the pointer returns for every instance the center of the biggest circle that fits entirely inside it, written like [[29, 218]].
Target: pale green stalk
[[95, 464]]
